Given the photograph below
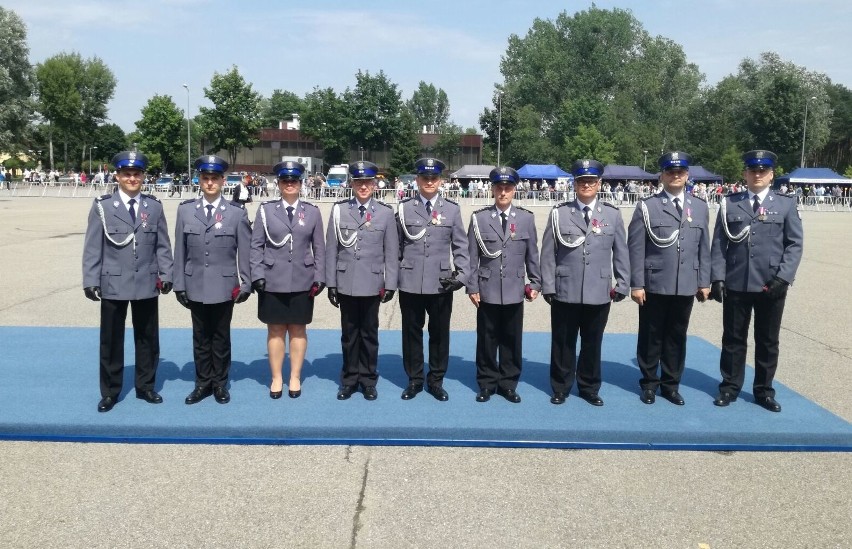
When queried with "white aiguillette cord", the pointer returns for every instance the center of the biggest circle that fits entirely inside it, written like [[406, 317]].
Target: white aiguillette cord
[[742, 235], [554, 222], [485, 251], [335, 215], [288, 238], [125, 242], [658, 241], [408, 235]]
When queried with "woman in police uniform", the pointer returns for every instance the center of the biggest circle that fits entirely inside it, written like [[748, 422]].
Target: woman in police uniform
[[287, 271]]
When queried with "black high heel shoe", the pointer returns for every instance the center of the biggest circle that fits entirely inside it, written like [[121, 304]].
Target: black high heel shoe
[[276, 394], [294, 394]]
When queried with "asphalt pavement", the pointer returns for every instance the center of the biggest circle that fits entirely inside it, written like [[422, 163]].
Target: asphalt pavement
[[134, 495]]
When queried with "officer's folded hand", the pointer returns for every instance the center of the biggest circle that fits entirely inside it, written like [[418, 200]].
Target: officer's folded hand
[[333, 297], [616, 296], [166, 287], [259, 285], [316, 289], [548, 298], [242, 297], [702, 294], [776, 287], [182, 298], [717, 291], [451, 284], [93, 293], [387, 295]]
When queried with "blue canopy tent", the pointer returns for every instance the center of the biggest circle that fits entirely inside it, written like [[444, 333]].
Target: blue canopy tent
[[542, 171], [698, 173], [812, 176], [618, 171]]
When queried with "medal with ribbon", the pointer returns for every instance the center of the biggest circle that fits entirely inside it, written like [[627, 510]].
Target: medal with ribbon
[[301, 219], [218, 218], [369, 218], [596, 226], [512, 230], [689, 215], [436, 217], [144, 217], [761, 213]]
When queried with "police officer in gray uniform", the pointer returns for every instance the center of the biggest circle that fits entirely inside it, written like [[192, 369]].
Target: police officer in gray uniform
[[212, 243], [362, 260], [757, 247], [433, 264], [127, 259], [669, 242], [503, 247], [583, 249]]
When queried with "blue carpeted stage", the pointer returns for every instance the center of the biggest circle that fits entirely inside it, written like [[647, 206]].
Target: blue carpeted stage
[[49, 391]]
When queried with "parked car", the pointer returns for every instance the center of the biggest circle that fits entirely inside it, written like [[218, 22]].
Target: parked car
[[231, 181], [163, 184]]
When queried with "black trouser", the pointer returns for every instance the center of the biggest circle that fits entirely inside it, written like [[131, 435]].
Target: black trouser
[[663, 322], [359, 338], [566, 321], [736, 316], [499, 327], [414, 308], [211, 342], [146, 340]]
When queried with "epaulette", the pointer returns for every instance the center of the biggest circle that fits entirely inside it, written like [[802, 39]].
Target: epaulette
[[649, 197], [152, 197], [271, 201], [567, 202], [610, 204], [236, 204], [188, 201], [344, 201], [307, 204], [382, 203], [103, 197], [409, 199], [451, 201], [695, 196], [523, 209], [482, 209]]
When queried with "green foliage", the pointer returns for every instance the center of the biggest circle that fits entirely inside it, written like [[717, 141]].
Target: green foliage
[[405, 148], [281, 105], [848, 172], [162, 130], [729, 165], [588, 143], [234, 120], [430, 106], [448, 144], [16, 81], [109, 140], [373, 109], [323, 118]]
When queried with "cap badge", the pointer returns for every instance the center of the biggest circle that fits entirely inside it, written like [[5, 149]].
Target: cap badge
[[430, 162], [585, 163], [675, 156]]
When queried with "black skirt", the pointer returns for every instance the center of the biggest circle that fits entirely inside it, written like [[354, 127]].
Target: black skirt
[[285, 308]]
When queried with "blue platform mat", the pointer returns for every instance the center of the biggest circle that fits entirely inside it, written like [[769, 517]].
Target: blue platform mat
[[49, 391]]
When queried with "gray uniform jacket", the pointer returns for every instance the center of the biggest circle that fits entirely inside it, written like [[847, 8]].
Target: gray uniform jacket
[[129, 271], [371, 262], [681, 267], [583, 274], [212, 258], [437, 246], [773, 246], [291, 266], [501, 280]]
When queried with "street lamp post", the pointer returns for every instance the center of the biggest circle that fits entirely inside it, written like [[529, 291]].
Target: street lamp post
[[644, 159], [90, 159], [188, 136], [499, 123], [804, 131]]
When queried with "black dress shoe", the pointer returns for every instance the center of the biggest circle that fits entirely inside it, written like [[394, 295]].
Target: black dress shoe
[[509, 394], [151, 396], [484, 395], [673, 397], [592, 399], [222, 395], [370, 393], [558, 398], [769, 403], [411, 391], [345, 392], [724, 398], [276, 394], [438, 392], [106, 404], [648, 396], [198, 394], [294, 394]]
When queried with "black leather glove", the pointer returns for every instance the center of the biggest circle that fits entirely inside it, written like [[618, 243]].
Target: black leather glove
[[182, 299], [451, 283], [776, 288], [615, 296], [167, 287], [717, 291], [333, 298], [242, 297], [387, 295], [316, 289], [259, 285], [548, 298], [93, 293]]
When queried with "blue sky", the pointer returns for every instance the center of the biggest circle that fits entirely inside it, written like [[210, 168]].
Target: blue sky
[[157, 46]]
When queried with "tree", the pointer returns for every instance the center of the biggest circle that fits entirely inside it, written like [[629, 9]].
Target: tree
[[323, 118], [281, 105], [73, 95], [162, 130], [837, 151], [234, 120], [405, 148], [448, 144], [430, 106], [373, 109], [589, 143], [16, 80], [109, 140]]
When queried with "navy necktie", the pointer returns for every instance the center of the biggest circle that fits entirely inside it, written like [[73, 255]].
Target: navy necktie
[[362, 209], [756, 205], [209, 212], [503, 221], [290, 213], [429, 207], [677, 205], [132, 210], [587, 215]]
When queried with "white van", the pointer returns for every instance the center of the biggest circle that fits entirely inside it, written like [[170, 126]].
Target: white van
[[338, 176]]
